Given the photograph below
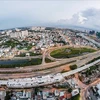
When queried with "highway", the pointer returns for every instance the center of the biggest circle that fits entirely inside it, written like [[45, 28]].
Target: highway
[[84, 59], [43, 80], [89, 39], [47, 68], [80, 69]]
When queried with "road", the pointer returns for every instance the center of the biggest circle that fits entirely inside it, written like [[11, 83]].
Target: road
[[81, 60], [42, 80], [46, 68], [43, 57], [81, 68], [84, 92], [89, 39], [30, 57], [62, 35]]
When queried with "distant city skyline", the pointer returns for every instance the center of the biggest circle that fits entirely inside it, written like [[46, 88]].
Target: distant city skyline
[[83, 13]]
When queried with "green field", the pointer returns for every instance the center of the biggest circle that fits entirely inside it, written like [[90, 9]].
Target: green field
[[70, 52], [47, 60], [77, 97]]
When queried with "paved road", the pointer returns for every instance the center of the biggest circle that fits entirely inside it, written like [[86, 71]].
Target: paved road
[[30, 57], [43, 80], [30, 69], [80, 69], [43, 57], [89, 39], [63, 36], [84, 91]]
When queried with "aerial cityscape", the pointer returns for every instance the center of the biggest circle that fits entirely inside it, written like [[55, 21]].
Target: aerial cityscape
[[49, 61]]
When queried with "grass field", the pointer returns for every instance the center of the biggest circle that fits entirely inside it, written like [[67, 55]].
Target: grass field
[[77, 97], [47, 60], [70, 52]]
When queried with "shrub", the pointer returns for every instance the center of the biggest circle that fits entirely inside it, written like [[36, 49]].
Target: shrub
[[72, 67]]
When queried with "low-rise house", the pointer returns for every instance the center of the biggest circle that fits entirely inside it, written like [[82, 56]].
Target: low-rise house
[[75, 92]]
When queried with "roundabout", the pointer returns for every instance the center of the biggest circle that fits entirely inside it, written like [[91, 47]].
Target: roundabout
[[46, 68], [70, 52]]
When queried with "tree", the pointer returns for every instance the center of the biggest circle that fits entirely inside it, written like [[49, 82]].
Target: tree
[[92, 32], [72, 67], [69, 90], [7, 97], [98, 34]]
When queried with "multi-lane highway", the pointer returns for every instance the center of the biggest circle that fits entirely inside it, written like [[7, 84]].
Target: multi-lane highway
[[84, 59], [42, 80], [89, 39], [54, 67]]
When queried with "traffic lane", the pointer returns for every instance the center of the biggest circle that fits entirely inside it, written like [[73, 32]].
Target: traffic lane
[[31, 68], [31, 74]]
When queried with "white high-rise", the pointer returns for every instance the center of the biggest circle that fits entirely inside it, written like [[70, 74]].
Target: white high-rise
[[19, 34]]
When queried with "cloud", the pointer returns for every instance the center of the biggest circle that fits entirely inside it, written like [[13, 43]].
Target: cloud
[[82, 19], [89, 18]]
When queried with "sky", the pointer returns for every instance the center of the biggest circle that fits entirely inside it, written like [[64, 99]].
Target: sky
[[20, 13]]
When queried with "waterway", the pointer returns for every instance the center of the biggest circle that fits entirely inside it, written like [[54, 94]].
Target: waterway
[[15, 62]]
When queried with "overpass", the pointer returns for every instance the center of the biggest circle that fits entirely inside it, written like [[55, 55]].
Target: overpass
[[44, 69], [42, 80], [89, 57]]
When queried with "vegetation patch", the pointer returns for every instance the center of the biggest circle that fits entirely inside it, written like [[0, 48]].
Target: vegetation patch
[[70, 52], [89, 70], [98, 34], [47, 60], [11, 43], [36, 69], [72, 67], [27, 62], [77, 97]]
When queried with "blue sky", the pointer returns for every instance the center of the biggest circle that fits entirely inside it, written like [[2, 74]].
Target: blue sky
[[16, 13]]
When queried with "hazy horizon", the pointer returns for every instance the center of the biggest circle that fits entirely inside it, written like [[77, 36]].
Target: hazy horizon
[[83, 13]]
